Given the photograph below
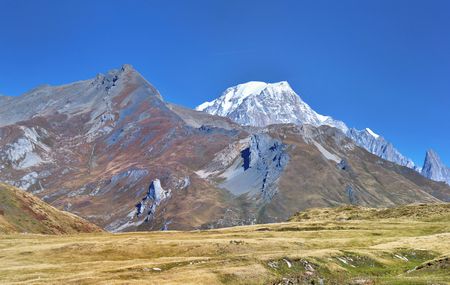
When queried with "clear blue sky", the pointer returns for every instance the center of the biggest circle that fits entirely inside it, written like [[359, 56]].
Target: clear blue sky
[[378, 64]]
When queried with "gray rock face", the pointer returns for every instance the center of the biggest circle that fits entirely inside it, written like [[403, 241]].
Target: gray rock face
[[252, 167], [433, 168], [72, 99], [258, 169], [377, 145]]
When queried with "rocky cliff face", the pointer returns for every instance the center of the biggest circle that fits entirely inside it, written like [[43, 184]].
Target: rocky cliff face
[[253, 166], [377, 145], [434, 168]]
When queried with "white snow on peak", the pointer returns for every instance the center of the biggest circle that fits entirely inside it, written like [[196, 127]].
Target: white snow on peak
[[322, 118], [260, 104], [372, 133], [246, 89], [204, 105], [233, 97]]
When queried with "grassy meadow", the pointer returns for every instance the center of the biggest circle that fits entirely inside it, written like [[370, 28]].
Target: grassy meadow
[[320, 246]]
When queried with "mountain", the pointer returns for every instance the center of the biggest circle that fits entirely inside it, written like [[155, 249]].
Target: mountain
[[95, 147], [286, 167], [434, 168], [112, 151], [377, 145], [21, 212], [261, 104]]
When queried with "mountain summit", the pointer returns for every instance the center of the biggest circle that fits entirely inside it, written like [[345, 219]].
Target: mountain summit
[[434, 168], [261, 104]]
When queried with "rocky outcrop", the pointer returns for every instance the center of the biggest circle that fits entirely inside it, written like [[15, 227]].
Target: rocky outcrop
[[434, 168]]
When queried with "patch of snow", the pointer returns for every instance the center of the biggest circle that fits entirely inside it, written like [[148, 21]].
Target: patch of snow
[[323, 118], [204, 105], [376, 136]]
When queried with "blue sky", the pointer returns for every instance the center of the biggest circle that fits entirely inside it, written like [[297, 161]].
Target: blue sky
[[378, 64]]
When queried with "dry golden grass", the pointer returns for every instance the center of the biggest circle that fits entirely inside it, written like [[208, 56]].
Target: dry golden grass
[[22, 212], [239, 255]]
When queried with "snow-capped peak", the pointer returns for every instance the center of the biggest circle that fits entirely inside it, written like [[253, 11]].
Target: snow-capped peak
[[260, 104], [376, 136], [246, 89], [234, 96]]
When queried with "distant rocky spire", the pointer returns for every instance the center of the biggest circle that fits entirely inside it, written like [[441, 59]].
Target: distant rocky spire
[[433, 168]]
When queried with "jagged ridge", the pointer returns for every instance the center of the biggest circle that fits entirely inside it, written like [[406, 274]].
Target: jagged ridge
[[261, 104]]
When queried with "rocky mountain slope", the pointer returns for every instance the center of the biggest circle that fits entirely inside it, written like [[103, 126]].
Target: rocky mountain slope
[[21, 212], [261, 104], [95, 147], [434, 168], [112, 151], [379, 146], [289, 167]]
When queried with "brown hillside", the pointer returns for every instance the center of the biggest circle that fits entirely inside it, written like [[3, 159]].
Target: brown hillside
[[21, 212]]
